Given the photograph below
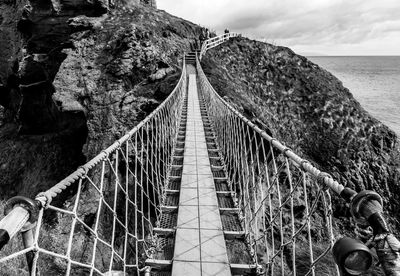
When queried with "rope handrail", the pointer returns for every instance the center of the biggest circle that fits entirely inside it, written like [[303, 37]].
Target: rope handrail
[[270, 183], [46, 197], [305, 164], [215, 41], [117, 203], [267, 177]]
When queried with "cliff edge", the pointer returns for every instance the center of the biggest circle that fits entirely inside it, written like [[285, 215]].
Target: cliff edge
[[310, 111]]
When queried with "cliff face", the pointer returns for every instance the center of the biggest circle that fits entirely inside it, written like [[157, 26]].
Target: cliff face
[[310, 111], [75, 75]]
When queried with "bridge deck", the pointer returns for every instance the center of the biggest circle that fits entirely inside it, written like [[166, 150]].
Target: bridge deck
[[199, 243]]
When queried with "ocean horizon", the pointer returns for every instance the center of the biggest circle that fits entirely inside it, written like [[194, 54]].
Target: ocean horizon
[[374, 81]]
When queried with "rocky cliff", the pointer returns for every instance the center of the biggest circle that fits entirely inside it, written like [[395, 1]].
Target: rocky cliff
[[309, 110], [75, 75]]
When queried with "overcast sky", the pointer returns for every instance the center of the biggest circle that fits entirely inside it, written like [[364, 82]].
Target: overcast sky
[[327, 27]]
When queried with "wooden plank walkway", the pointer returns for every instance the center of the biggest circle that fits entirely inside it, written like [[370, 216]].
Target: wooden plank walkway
[[199, 242]]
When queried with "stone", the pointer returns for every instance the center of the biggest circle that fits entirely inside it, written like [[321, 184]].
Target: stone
[[161, 74]]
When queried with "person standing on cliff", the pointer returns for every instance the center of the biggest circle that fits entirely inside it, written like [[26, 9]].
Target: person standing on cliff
[[201, 38]]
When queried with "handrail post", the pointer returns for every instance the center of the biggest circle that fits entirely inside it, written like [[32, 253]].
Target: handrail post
[[214, 41], [18, 216], [11, 224], [21, 217], [28, 241]]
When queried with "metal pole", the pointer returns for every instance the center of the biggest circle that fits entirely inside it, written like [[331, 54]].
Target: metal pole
[[12, 223], [21, 216], [28, 240]]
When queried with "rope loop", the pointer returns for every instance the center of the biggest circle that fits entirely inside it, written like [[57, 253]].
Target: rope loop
[[106, 154], [303, 164], [321, 179], [286, 150], [44, 198], [84, 171]]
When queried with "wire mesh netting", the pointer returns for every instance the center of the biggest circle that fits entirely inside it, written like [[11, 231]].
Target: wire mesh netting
[[108, 224], [284, 210]]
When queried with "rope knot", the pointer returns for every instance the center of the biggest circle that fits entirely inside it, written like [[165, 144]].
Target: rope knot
[[286, 150], [304, 163], [321, 179], [83, 170], [272, 140], [45, 199]]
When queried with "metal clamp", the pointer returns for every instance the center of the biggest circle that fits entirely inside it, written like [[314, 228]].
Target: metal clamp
[[358, 200], [32, 206]]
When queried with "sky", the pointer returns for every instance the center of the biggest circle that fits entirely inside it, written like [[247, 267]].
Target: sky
[[309, 27]]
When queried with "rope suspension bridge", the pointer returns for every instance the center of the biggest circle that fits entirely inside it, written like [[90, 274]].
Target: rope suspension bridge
[[194, 189]]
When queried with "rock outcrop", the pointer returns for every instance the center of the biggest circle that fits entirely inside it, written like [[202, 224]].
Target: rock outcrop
[[84, 69], [309, 110]]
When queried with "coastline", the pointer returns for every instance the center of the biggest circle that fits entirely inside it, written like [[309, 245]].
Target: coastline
[[372, 83]]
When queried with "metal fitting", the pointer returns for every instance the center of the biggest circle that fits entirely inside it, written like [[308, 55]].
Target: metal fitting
[[348, 194], [359, 208], [32, 206], [352, 256]]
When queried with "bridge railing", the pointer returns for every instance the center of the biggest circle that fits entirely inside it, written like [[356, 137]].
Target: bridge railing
[[285, 205], [106, 225], [215, 41], [285, 202]]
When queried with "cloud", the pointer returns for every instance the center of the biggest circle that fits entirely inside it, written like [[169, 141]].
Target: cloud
[[308, 24]]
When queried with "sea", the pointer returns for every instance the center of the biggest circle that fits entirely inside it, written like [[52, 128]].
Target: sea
[[373, 80]]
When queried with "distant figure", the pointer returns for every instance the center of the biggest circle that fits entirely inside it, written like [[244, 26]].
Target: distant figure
[[207, 34], [197, 44], [226, 31], [201, 38]]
